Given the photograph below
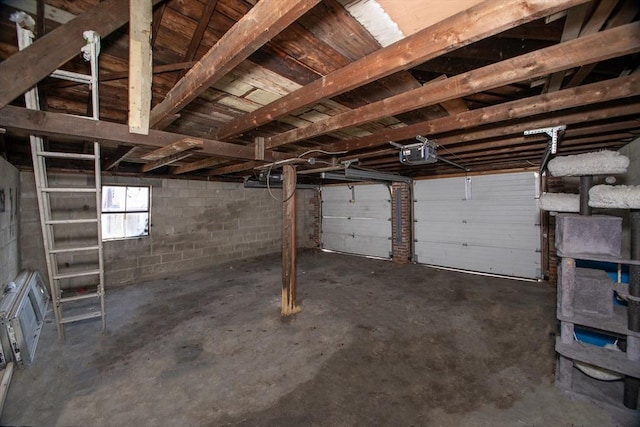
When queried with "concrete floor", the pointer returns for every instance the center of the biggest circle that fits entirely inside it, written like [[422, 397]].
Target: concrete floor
[[375, 344]]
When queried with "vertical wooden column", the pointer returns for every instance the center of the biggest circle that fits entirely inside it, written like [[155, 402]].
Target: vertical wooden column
[[140, 65], [289, 276]]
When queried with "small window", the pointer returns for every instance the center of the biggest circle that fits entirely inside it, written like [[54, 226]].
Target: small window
[[125, 212]]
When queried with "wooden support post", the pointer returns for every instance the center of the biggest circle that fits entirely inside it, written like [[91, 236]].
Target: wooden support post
[[259, 146], [289, 273], [140, 66]]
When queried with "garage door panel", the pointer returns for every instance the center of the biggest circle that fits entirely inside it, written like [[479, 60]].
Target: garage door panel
[[488, 224], [496, 235], [485, 212], [512, 262], [370, 210], [375, 246], [356, 219], [358, 226]]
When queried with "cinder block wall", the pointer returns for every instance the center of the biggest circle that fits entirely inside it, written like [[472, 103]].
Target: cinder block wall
[[193, 224], [9, 192]]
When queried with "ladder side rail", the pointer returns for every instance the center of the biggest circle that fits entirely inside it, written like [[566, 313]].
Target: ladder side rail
[[47, 232], [98, 182], [25, 38]]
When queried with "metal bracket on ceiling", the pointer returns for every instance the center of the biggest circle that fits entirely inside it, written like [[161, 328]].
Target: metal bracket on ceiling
[[554, 133]]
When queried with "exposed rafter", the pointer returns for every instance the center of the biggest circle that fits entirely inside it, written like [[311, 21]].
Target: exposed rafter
[[17, 73], [262, 23], [78, 128], [478, 22], [608, 44]]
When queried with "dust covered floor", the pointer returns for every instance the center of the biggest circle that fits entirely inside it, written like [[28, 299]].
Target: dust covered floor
[[375, 344]]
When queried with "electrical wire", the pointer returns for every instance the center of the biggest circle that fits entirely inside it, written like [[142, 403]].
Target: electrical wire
[[271, 192], [321, 151]]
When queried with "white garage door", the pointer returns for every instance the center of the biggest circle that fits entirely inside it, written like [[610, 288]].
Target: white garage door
[[487, 224], [356, 219]]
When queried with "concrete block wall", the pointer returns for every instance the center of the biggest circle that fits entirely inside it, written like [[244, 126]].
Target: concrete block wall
[[193, 224], [9, 223]]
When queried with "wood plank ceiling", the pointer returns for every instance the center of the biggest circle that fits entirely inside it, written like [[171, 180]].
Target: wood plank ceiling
[[315, 78]]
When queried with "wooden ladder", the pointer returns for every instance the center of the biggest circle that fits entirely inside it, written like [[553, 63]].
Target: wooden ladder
[[75, 271]]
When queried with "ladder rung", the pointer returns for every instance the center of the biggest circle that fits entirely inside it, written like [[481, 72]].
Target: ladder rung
[[71, 76], [77, 274], [66, 155], [67, 250], [71, 221], [78, 317], [68, 190], [80, 297]]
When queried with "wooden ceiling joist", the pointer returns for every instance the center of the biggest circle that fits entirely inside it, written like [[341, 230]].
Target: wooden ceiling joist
[[17, 73], [77, 128], [619, 41], [258, 26], [172, 158], [572, 26], [627, 12], [197, 165], [203, 23], [478, 22], [184, 144], [601, 92], [121, 153], [621, 87], [239, 167]]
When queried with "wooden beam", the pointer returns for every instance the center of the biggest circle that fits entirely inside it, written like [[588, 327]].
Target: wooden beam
[[77, 128], [156, 22], [200, 164], [172, 158], [622, 87], [203, 23], [184, 144], [454, 106], [619, 41], [121, 153], [625, 15], [259, 25], [566, 99], [476, 23], [460, 143], [239, 167], [289, 249], [18, 73], [140, 63], [259, 147], [572, 26]]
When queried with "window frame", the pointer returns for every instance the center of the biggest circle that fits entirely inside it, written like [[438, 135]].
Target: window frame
[[125, 211]]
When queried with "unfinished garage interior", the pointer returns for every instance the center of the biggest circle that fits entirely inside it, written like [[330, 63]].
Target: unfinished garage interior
[[320, 212]]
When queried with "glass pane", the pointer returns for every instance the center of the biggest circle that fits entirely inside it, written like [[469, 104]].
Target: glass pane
[[112, 226], [136, 224], [113, 199], [137, 198]]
